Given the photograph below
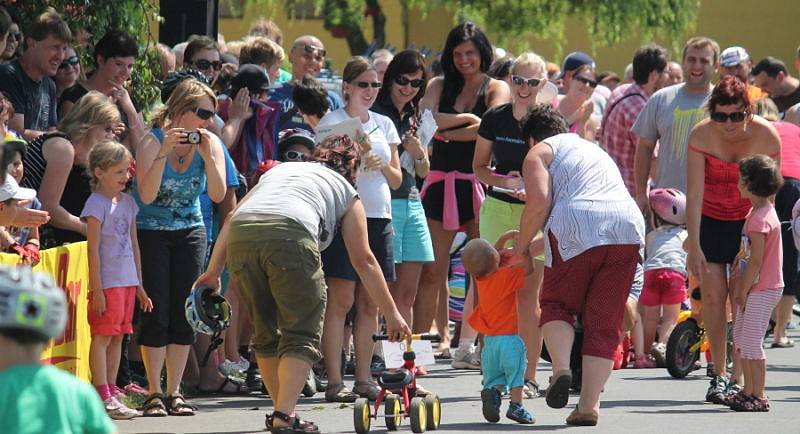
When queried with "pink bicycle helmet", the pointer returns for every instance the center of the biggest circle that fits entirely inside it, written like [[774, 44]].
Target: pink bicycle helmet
[[669, 205]]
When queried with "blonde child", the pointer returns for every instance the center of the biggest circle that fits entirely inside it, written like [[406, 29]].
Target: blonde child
[[114, 268], [756, 278], [499, 275]]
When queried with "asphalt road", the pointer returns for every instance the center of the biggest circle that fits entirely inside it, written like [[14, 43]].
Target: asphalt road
[[635, 401]]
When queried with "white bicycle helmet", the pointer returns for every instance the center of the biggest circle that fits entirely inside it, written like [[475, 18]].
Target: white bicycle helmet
[[207, 312], [31, 301]]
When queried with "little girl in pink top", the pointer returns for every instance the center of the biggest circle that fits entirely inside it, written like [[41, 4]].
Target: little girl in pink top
[[757, 277]]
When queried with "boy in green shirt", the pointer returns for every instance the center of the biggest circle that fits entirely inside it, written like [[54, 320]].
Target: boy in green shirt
[[36, 398]]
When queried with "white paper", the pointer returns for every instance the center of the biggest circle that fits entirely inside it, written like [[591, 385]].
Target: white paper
[[427, 128], [351, 127], [393, 353]]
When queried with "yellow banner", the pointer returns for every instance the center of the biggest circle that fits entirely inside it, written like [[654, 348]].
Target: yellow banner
[[69, 267]]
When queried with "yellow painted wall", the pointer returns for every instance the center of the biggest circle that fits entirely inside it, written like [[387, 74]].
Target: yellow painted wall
[[768, 27]]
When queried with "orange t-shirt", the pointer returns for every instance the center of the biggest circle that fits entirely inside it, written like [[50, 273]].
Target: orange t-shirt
[[496, 312]]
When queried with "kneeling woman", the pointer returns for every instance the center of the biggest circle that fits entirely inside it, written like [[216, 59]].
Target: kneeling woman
[[273, 244]]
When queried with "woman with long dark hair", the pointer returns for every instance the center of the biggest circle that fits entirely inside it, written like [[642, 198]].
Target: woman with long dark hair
[[452, 195], [403, 88]]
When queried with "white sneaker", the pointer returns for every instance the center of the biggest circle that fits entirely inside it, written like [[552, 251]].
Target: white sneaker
[[243, 364], [659, 353], [466, 358], [229, 368], [119, 411]]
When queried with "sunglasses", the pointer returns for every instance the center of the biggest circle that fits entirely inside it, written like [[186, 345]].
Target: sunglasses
[[734, 117], [531, 82], [17, 36], [415, 83], [69, 62], [366, 84], [319, 53], [587, 81], [294, 156], [203, 113], [205, 64]]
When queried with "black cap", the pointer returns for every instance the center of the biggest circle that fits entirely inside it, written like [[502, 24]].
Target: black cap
[[575, 60], [253, 77]]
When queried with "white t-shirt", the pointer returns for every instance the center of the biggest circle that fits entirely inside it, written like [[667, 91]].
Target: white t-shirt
[[373, 188]]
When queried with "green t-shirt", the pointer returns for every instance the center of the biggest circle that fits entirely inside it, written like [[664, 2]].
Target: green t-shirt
[[45, 399]]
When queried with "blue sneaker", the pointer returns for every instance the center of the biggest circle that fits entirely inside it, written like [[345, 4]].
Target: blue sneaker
[[518, 413], [491, 404]]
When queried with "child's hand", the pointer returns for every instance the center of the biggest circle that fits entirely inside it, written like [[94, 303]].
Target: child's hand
[[740, 296], [144, 300], [98, 301]]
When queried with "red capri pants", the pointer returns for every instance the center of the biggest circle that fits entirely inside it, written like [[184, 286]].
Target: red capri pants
[[594, 284]]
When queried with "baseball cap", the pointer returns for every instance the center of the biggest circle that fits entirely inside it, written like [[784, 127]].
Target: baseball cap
[[733, 56], [575, 60], [11, 190], [253, 77], [295, 136]]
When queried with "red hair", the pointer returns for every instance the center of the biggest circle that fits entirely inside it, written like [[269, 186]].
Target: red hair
[[730, 91]]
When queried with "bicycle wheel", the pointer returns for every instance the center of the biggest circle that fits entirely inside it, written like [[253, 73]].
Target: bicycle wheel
[[680, 357]]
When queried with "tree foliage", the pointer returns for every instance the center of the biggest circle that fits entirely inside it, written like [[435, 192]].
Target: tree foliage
[[514, 22], [99, 16]]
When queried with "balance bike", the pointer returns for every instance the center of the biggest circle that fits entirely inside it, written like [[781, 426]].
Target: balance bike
[[398, 388]]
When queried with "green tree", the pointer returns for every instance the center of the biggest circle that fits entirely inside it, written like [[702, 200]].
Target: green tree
[[514, 21], [95, 18]]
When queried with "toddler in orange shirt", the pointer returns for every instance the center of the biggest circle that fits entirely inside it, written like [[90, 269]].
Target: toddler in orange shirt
[[499, 274]]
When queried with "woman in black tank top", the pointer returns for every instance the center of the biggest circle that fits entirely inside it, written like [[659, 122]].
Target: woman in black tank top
[[458, 100]]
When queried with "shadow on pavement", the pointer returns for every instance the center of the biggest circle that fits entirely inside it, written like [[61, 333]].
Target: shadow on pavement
[[497, 427], [647, 403]]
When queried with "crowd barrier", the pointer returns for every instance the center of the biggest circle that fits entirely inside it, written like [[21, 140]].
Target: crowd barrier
[[69, 266]]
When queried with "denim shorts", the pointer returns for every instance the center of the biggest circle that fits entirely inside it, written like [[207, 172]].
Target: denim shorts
[[412, 240], [503, 361]]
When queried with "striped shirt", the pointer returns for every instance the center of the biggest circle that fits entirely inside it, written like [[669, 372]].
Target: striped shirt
[[34, 161], [590, 205]]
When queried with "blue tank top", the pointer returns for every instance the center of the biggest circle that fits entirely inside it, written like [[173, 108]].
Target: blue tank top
[[177, 205]]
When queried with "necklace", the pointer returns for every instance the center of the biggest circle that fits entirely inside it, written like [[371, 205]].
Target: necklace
[[181, 158]]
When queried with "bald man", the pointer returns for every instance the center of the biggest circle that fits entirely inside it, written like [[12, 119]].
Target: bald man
[[307, 57]]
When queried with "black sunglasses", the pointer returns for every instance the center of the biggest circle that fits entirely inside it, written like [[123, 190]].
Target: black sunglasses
[[294, 156], [319, 52], [735, 117], [203, 113], [587, 81], [71, 61], [205, 64], [16, 35], [415, 83], [366, 84], [531, 82]]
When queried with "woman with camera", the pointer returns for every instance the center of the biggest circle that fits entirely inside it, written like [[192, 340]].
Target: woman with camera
[[175, 161]]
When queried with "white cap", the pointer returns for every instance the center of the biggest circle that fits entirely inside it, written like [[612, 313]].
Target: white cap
[[11, 190]]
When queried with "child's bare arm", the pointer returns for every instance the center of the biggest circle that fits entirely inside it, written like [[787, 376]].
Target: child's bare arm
[[511, 235]]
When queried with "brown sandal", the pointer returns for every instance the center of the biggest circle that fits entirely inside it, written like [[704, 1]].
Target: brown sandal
[[339, 393], [576, 418], [295, 425], [154, 406], [177, 406], [366, 389]]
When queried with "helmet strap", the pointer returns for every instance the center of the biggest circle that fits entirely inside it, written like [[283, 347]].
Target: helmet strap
[[216, 341]]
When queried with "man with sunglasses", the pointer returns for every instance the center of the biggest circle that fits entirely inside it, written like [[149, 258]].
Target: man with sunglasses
[[202, 54], [27, 81], [669, 116], [625, 104], [307, 57]]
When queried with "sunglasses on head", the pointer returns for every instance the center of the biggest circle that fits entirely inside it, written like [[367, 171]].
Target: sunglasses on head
[[294, 156], [366, 84], [587, 81], [531, 82], [206, 64], [415, 83], [203, 113], [318, 52], [72, 61], [17, 36], [734, 117]]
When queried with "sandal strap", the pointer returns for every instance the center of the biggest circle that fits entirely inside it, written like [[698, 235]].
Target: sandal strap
[[282, 416], [173, 405], [154, 400]]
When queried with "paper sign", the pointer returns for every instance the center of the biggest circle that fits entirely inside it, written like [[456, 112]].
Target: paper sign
[[351, 127], [427, 128], [393, 353]]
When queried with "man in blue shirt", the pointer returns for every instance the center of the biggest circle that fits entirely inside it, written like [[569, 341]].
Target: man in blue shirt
[[307, 56]]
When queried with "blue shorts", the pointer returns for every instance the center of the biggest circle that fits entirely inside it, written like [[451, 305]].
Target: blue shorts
[[412, 240], [503, 361]]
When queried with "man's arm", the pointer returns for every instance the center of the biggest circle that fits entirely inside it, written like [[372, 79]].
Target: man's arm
[[641, 170]]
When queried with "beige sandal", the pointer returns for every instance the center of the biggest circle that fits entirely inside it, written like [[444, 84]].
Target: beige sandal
[[367, 389], [339, 393], [576, 418]]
